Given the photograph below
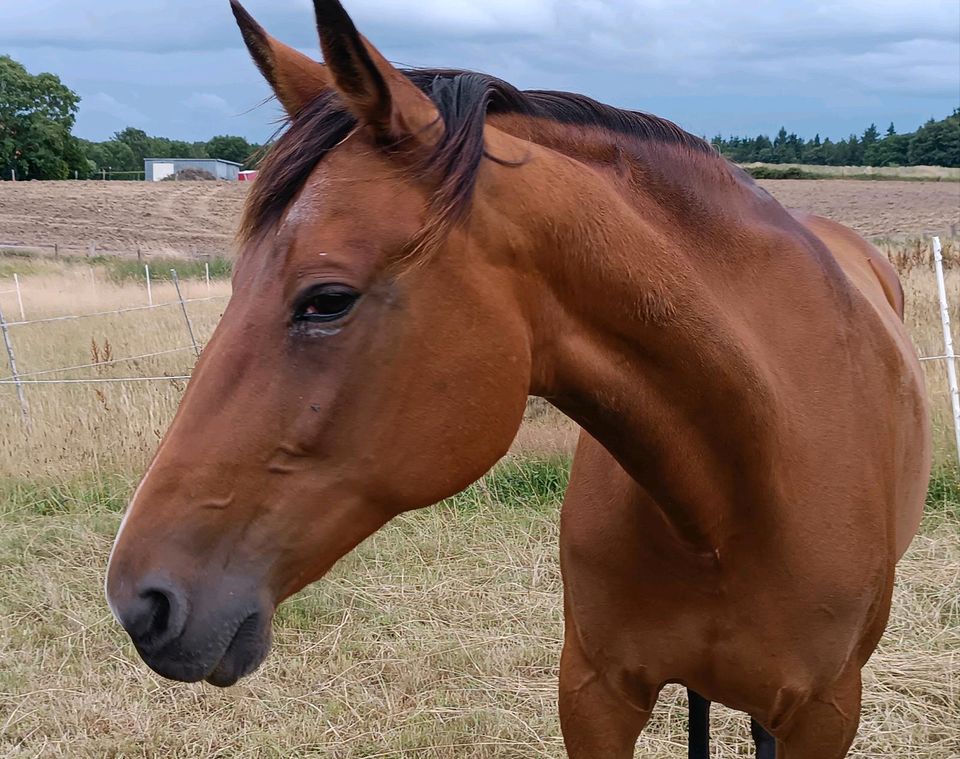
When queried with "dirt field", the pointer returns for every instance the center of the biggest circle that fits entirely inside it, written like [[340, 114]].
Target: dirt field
[[178, 217], [875, 208], [162, 217]]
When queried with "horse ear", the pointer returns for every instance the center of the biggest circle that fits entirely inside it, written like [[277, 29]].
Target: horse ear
[[375, 92], [295, 78]]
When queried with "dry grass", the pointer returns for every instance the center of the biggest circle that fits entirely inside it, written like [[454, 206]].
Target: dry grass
[[438, 638], [75, 427]]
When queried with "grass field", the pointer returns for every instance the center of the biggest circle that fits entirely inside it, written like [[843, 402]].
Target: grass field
[[438, 638]]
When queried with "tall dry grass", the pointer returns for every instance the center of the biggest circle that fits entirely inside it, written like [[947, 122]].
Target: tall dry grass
[[438, 638], [78, 428], [115, 427], [922, 317]]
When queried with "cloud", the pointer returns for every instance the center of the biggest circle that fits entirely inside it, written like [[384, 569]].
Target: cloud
[[834, 63], [206, 101], [103, 103]]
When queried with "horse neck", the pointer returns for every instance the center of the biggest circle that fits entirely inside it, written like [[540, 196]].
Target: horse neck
[[631, 341]]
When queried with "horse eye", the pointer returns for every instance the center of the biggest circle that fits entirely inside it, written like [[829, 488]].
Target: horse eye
[[326, 304]]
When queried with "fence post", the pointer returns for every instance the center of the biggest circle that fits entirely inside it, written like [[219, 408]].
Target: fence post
[[24, 409], [206, 269], [948, 342], [183, 306], [146, 270], [56, 251], [16, 283]]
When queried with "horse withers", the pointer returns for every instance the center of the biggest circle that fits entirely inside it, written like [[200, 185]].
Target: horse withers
[[421, 251]]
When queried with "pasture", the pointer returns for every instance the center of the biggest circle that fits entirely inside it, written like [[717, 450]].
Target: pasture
[[440, 636]]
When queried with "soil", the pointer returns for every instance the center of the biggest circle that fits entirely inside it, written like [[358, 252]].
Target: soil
[[200, 217], [170, 218], [875, 208]]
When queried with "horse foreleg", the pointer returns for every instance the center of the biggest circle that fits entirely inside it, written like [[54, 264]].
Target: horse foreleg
[[698, 732], [596, 721], [698, 735]]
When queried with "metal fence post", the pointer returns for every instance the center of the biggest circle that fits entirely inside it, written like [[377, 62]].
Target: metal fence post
[[24, 408], [183, 307], [16, 283], [947, 341]]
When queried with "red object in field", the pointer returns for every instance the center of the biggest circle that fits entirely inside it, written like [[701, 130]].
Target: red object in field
[[246, 176]]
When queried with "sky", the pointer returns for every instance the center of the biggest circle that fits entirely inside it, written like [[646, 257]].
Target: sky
[[178, 68]]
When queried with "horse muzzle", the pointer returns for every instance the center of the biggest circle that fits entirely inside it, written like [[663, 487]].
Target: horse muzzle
[[214, 636]]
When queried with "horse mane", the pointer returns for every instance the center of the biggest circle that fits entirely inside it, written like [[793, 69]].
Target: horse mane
[[464, 99]]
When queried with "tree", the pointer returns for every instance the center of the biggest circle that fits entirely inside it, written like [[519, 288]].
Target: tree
[[37, 113], [230, 148], [139, 144], [112, 155], [936, 143]]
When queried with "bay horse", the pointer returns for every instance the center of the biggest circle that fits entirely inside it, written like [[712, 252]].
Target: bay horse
[[421, 251]]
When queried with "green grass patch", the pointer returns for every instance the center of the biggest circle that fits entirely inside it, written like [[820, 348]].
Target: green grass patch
[[122, 270], [943, 496], [18, 262], [115, 269], [536, 483], [84, 495]]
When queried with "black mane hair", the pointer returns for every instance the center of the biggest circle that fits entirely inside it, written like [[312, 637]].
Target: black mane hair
[[463, 99]]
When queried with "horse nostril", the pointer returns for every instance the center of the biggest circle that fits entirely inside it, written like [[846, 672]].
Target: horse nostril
[[160, 614], [155, 617]]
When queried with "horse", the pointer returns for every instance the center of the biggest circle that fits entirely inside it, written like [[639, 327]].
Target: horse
[[424, 250]]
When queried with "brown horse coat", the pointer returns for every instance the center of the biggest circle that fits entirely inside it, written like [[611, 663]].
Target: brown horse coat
[[755, 450]]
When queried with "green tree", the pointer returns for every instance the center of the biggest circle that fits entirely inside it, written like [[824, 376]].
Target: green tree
[[936, 143], [112, 155], [140, 147], [37, 113], [230, 148]]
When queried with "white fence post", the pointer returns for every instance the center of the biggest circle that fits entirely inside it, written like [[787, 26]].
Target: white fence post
[[24, 409], [206, 268], [16, 282], [146, 270], [183, 306], [947, 341]]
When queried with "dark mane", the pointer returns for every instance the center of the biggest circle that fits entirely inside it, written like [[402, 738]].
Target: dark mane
[[464, 99]]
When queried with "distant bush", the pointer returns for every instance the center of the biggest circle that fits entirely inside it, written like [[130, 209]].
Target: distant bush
[[768, 172]]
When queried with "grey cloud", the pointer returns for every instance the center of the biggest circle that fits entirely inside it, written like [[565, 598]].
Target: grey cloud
[[875, 55]]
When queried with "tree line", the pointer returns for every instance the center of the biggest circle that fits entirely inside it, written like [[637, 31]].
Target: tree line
[[936, 143], [123, 154], [38, 112]]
